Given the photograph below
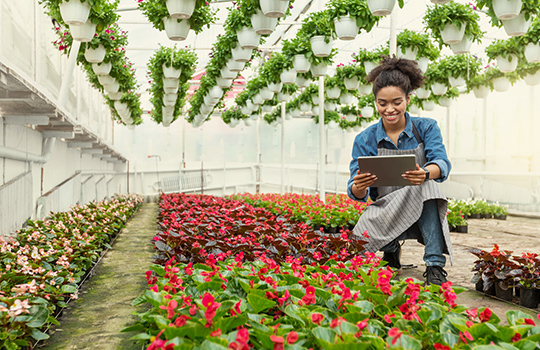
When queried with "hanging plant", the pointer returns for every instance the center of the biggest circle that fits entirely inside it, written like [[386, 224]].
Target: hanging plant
[[274, 66], [464, 66], [374, 56], [493, 73], [292, 104], [437, 72], [529, 8], [156, 10], [231, 114], [357, 9], [296, 46], [133, 100], [317, 24], [478, 81], [419, 41], [100, 11], [504, 48], [532, 35]]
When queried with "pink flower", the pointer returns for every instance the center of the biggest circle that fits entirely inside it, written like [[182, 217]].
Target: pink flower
[[317, 318], [292, 337], [395, 334]]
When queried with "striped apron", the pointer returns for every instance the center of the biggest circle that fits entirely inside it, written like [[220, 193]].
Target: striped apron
[[398, 208]]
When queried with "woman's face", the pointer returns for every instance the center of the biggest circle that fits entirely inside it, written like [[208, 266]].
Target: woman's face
[[391, 104]]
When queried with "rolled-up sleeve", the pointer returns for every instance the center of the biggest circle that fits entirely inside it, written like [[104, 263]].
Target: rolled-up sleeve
[[359, 149], [435, 150]]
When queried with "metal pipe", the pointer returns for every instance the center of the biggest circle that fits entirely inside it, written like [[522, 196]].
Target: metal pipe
[[15, 154], [283, 147], [322, 143]]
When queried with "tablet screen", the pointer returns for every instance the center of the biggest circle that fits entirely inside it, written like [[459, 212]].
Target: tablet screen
[[388, 168]]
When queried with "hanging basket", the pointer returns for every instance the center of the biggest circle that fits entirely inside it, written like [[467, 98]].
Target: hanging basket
[[176, 29], [315, 99], [275, 87], [170, 97], [216, 92], [74, 13], [251, 106], [381, 7], [346, 99], [173, 103], [423, 63], [95, 55], [288, 77], [167, 110], [315, 110], [463, 47], [367, 112], [351, 83], [440, 1], [481, 91], [224, 83], [506, 9], [121, 107], [456, 81], [114, 87], [205, 109], [241, 55], [262, 24], [181, 9], [330, 106], [369, 66], [532, 79], [365, 89], [414, 109], [245, 110], [333, 93], [501, 84], [332, 124], [428, 105], [302, 82], [248, 122], [320, 47], [508, 63], [410, 53], [267, 108], [266, 94], [346, 28], [235, 66], [227, 74], [318, 70], [102, 68], [445, 101], [210, 101], [167, 119], [295, 113], [170, 85], [439, 89], [171, 72], [532, 52], [516, 26], [254, 116], [274, 8], [248, 38], [423, 93], [283, 97], [350, 118], [105, 79], [115, 96], [83, 33], [301, 64], [451, 34], [305, 107]]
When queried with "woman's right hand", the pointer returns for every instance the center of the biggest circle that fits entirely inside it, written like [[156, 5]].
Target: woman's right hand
[[363, 181]]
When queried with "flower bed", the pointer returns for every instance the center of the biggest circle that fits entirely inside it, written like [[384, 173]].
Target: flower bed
[[192, 227], [478, 208], [44, 263]]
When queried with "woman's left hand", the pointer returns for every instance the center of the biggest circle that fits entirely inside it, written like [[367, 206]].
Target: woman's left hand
[[415, 177]]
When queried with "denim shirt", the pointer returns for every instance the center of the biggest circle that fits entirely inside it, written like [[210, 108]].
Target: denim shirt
[[365, 144]]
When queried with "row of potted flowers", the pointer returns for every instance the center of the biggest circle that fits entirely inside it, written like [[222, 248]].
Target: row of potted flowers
[[460, 210], [42, 266]]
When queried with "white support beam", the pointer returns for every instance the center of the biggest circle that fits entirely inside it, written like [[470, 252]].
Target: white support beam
[[92, 151], [102, 156], [58, 133], [26, 119], [80, 144]]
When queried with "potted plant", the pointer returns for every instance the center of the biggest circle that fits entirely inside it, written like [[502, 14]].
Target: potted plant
[[500, 81], [527, 279], [460, 68], [366, 104], [409, 42], [437, 78], [530, 72], [500, 9], [351, 75], [448, 23], [299, 51], [350, 113], [514, 15], [350, 16], [332, 87], [457, 222], [110, 38], [484, 268], [382, 7], [480, 85], [506, 52], [446, 99], [318, 29], [370, 59], [530, 42], [240, 23]]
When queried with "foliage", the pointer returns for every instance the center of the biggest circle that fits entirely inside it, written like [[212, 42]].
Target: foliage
[[504, 48], [494, 267], [464, 66], [274, 66], [532, 35], [420, 41], [493, 73], [156, 10], [317, 24], [371, 56], [436, 73], [296, 46], [229, 114], [350, 71], [102, 12], [524, 69], [42, 266], [529, 8], [479, 81], [357, 9]]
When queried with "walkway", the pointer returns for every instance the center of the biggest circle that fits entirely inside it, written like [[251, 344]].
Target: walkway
[[104, 306]]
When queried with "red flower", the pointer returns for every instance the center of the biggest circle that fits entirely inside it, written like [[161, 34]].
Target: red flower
[[464, 336], [362, 324], [309, 298], [193, 309], [170, 308], [242, 336], [485, 315], [317, 318], [336, 322], [529, 321], [395, 334], [516, 337], [216, 333], [207, 299], [292, 337], [438, 346]]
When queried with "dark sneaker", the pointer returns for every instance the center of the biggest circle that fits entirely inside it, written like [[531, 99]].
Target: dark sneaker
[[435, 275], [392, 259]]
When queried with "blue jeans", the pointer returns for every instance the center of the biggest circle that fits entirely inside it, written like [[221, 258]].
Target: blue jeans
[[431, 230]]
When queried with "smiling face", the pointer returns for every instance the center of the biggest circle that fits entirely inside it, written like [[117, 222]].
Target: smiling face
[[391, 102]]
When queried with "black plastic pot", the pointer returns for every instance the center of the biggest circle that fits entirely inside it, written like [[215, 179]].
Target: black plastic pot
[[331, 229], [529, 298], [317, 227], [475, 216], [351, 227], [462, 229], [479, 286], [500, 217], [507, 294]]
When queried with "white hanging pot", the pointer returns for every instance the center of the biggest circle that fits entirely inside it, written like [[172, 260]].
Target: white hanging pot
[[275, 87], [216, 92], [83, 33], [410, 53], [251, 106], [254, 117], [330, 106], [481, 91], [351, 83], [505, 64], [241, 55], [115, 96], [445, 101], [413, 109], [332, 124], [315, 110], [464, 46], [170, 97], [167, 110], [423, 63], [349, 129], [274, 8], [302, 82], [295, 113], [262, 24], [283, 97], [114, 87], [177, 30], [346, 99], [506, 9], [121, 106], [369, 66], [516, 26], [248, 38], [367, 112], [245, 110], [180, 9], [440, 1], [224, 83], [365, 89], [105, 79], [234, 123], [102, 68], [267, 108], [423, 93], [301, 64], [170, 85], [439, 89], [428, 105], [266, 94], [318, 70], [346, 28], [258, 99], [95, 55], [130, 127], [235, 66], [320, 47], [205, 109], [532, 79], [315, 99], [288, 77], [350, 117], [227, 74], [127, 120], [381, 7], [172, 103], [288, 116], [171, 72], [210, 101], [305, 107], [456, 81], [165, 124], [451, 34], [248, 122], [167, 119], [333, 93], [532, 52], [501, 84], [74, 13]]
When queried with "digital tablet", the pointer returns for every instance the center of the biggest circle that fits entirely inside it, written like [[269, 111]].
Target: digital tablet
[[388, 168]]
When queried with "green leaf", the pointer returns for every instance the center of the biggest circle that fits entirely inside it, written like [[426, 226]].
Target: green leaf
[[325, 334], [259, 303], [228, 323], [68, 288], [512, 316], [38, 335], [141, 336], [39, 315], [215, 344], [292, 311], [213, 285]]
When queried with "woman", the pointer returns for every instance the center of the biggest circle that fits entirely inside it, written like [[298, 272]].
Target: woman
[[398, 213]]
